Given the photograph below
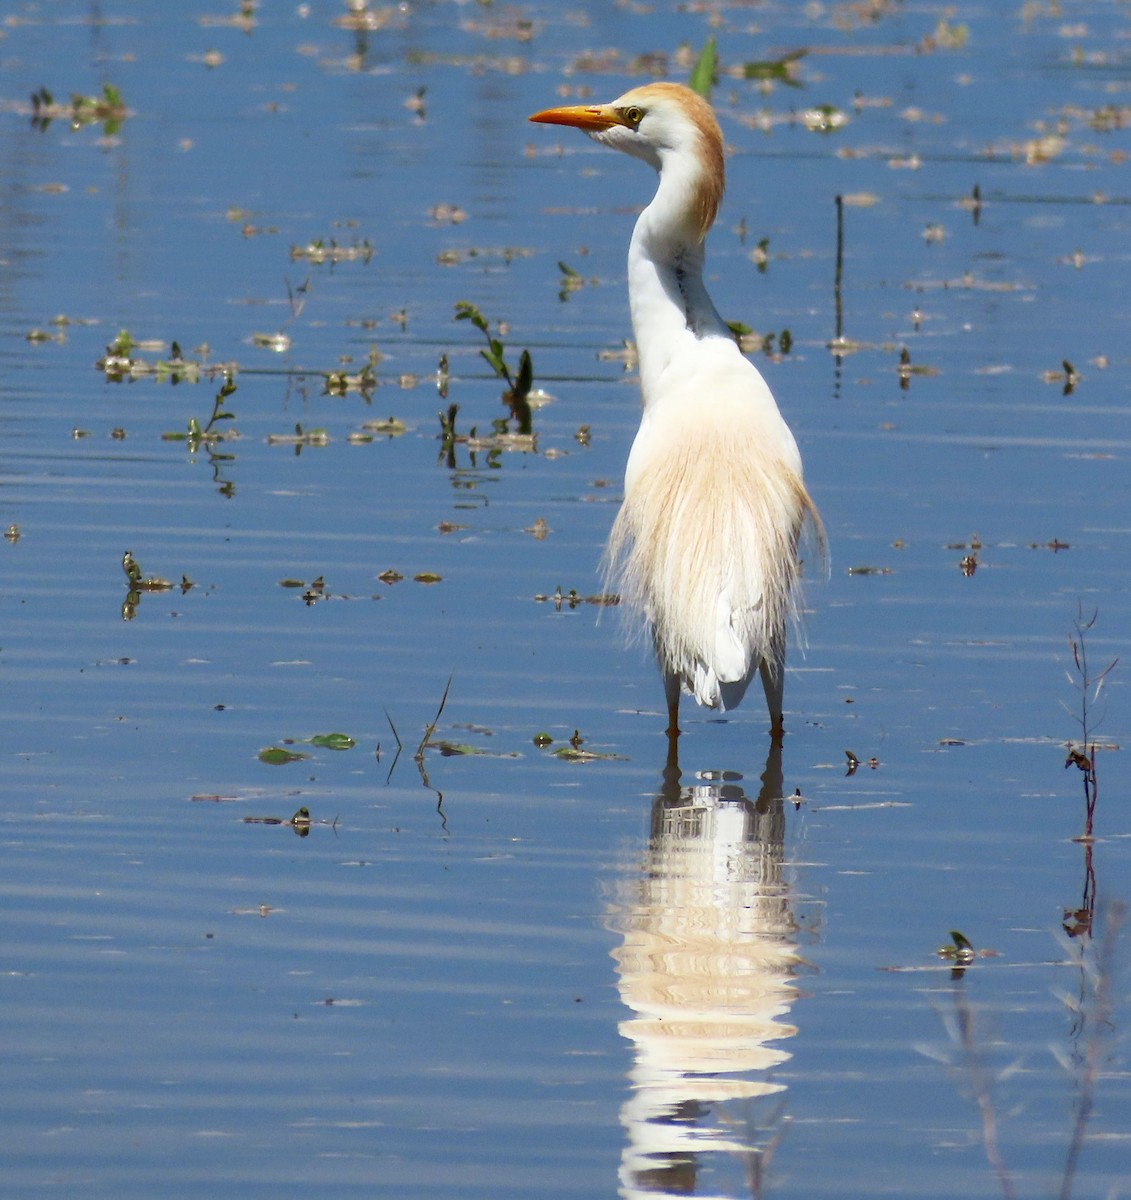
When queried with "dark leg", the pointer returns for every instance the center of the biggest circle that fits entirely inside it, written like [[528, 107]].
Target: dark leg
[[671, 694], [773, 683]]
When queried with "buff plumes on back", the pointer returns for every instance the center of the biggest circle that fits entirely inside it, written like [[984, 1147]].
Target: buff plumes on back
[[705, 549]]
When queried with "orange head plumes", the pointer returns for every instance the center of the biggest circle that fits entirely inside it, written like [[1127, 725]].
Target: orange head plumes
[[659, 123]]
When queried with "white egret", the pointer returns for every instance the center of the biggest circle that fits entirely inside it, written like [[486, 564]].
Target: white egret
[[705, 545]]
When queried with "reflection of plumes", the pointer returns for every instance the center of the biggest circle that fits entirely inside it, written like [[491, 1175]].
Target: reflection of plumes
[[706, 965]]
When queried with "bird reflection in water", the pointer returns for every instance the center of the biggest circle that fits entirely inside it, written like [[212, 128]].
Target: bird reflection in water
[[707, 967]]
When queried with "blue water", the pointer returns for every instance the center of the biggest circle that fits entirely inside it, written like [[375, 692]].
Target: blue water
[[505, 972]]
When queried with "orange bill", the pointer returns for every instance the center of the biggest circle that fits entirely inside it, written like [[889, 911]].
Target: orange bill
[[591, 117]]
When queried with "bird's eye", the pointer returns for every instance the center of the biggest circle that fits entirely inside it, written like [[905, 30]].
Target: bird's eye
[[633, 115]]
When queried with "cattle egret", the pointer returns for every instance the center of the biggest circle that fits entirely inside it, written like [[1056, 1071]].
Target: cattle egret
[[705, 546]]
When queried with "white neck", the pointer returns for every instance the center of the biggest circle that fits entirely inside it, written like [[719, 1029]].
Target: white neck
[[671, 309]]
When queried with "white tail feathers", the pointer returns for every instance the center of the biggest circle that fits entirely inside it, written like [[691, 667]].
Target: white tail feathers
[[705, 548]]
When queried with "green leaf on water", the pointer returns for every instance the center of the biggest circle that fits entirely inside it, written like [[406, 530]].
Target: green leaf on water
[[574, 754], [333, 741], [277, 756], [779, 70], [464, 750]]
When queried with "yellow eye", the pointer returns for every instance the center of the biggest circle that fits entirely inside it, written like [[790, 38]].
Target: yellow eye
[[633, 116]]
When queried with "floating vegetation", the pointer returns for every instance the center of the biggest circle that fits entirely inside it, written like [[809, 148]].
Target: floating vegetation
[[300, 821], [278, 342], [1068, 376], [824, 118], [540, 530], [148, 583], [139, 583], [970, 281], [853, 762], [301, 437], [454, 258], [331, 741], [364, 18], [447, 214], [463, 749], [774, 70], [123, 362], [341, 383], [416, 105], [501, 439], [626, 355], [960, 951], [322, 252], [389, 427], [571, 281], [573, 599], [106, 109], [750, 341], [243, 19], [277, 756], [39, 336], [906, 369], [576, 754]]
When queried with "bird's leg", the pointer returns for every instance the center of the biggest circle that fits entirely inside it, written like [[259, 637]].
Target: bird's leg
[[671, 694], [772, 671], [773, 781], [671, 766]]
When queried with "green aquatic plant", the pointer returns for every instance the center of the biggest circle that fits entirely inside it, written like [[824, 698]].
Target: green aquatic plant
[[493, 444], [776, 70], [702, 77], [573, 598], [197, 434], [123, 362], [341, 383], [106, 108], [139, 583], [959, 951], [300, 821], [277, 756], [333, 741], [319, 252], [571, 281], [519, 381], [301, 437]]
